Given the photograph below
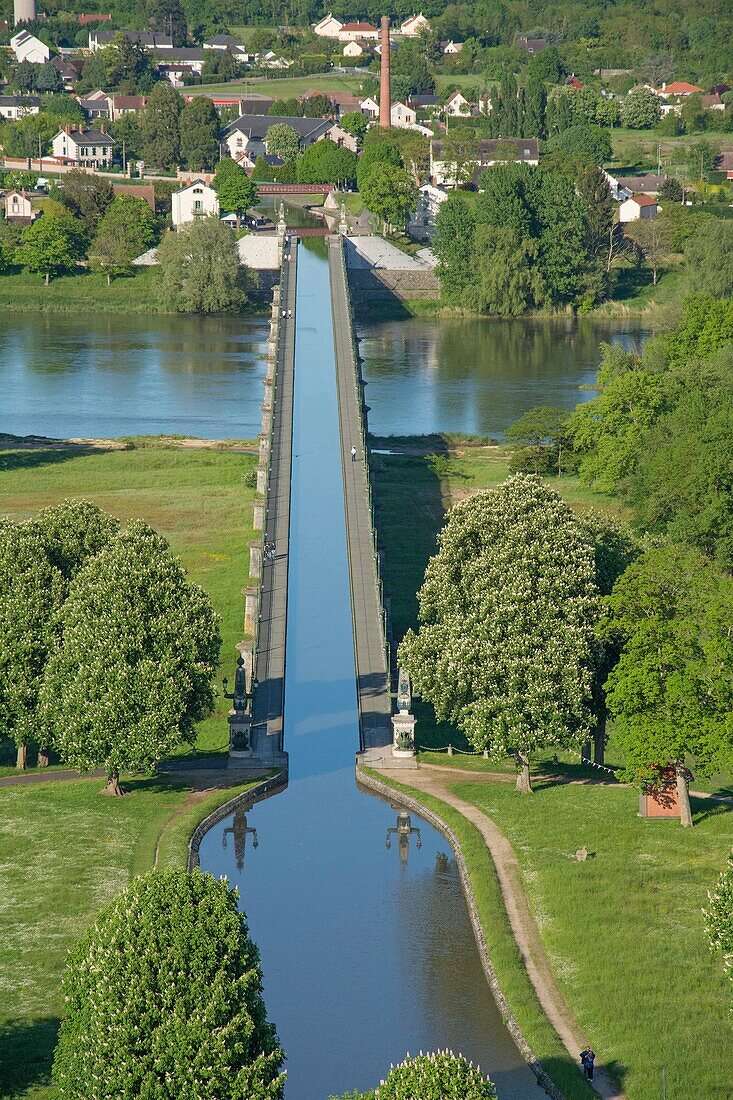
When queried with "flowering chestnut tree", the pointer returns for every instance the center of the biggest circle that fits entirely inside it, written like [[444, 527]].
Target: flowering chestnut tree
[[506, 646], [439, 1076], [133, 671], [719, 917], [164, 999]]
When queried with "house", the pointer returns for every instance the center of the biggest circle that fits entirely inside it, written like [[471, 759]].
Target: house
[[724, 163], [343, 138], [13, 107], [357, 30], [137, 191], [345, 102], [18, 208], [429, 104], [228, 42], [84, 148], [174, 62], [448, 49], [93, 17], [402, 116], [27, 47], [638, 208], [712, 102], [573, 82], [96, 105], [248, 162], [248, 134], [127, 105], [151, 40], [415, 25], [69, 71], [369, 107], [270, 60], [618, 191], [421, 225], [641, 185], [354, 48], [483, 154], [485, 103], [531, 45], [457, 106], [197, 200], [328, 27], [677, 87]]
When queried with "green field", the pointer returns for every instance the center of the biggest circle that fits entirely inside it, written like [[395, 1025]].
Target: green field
[[198, 499], [84, 292], [639, 149], [285, 87]]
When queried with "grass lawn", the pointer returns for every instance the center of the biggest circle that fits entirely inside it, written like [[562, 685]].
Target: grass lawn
[[65, 851], [624, 931], [285, 87], [198, 499], [86, 292], [637, 149]]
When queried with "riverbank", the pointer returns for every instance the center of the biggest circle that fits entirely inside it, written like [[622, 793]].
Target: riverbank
[[87, 292], [623, 930], [65, 851]]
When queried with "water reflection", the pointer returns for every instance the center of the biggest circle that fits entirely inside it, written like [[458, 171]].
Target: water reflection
[[106, 376], [404, 830], [239, 830], [477, 376]]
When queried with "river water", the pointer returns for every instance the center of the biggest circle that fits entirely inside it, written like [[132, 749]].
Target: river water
[[367, 951]]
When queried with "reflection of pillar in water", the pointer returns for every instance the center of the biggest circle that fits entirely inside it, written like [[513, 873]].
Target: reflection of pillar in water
[[239, 830], [403, 831]]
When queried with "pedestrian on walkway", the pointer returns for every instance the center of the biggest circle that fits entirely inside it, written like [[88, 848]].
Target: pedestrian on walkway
[[353, 454], [587, 1059]]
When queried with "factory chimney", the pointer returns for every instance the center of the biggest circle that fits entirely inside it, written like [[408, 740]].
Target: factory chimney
[[24, 11], [385, 103]]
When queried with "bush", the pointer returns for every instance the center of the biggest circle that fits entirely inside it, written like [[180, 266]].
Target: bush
[[441, 1076]]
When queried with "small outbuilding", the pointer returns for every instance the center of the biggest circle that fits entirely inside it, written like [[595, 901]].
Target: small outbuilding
[[638, 208]]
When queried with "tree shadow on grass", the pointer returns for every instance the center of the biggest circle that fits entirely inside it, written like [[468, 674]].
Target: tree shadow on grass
[[26, 1054], [703, 808], [11, 461]]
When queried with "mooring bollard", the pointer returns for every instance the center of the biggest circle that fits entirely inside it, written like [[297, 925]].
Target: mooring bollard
[[450, 750]]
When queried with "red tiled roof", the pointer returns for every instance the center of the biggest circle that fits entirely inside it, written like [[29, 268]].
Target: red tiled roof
[[643, 200], [681, 87], [358, 27]]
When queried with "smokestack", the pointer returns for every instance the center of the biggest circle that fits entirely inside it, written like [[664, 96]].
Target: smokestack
[[385, 102]]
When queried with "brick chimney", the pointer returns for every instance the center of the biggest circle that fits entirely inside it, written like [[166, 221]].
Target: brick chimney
[[385, 102]]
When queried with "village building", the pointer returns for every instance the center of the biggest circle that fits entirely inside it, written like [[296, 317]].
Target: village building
[[484, 155], [228, 42], [328, 27], [485, 103], [27, 47], [676, 88], [18, 208], [144, 191], [402, 116], [449, 49], [415, 25], [724, 163], [370, 107], [531, 45], [457, 106], [84, 148], [151, 40], [638, 208], [13, 107], [648, 184], [351, 31], [421, 225], [248, 134], [197, 200], [357, 48]]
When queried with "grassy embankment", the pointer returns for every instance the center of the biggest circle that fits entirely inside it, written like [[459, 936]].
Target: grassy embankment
[[624, 931], [65, 849]]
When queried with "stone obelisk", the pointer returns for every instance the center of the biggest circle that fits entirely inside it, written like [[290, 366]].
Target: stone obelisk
[[385, 103]]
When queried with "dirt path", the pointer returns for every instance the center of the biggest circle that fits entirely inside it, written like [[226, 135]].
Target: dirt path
[[432, 780]]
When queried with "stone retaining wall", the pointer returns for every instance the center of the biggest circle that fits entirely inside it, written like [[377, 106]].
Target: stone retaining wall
[[512, 1026], [254, 794], [382, 284]]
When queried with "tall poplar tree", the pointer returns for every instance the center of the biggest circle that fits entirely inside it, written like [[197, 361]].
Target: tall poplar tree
[[161, 126]]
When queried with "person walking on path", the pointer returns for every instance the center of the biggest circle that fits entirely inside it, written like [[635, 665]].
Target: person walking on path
[[587, 1059], [353, 454]]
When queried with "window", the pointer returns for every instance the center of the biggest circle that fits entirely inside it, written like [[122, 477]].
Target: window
[[198, 206]]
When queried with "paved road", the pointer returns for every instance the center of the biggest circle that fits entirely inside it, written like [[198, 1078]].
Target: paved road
[[269, 697], [371, 663]]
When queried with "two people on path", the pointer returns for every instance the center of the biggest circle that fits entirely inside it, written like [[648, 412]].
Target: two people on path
[[587, 1060]]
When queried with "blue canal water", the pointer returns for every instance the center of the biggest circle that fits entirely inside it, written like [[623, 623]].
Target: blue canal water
[[367, 951]]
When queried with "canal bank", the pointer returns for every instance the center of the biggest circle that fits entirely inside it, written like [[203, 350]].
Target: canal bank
[[367, 950]]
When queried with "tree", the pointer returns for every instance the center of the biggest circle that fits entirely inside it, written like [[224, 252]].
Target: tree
[[25, 76], [640, 109], [671, 190], [283, 141], [219, 65], [31, 592], [671, 692], [168, 17], [719, 917], [507, 280], [65, 109], [52, 244], [701, 159], [200, 270], [709, 257], [453, 245], [29, 135], [161, 126], [542, 433], [440, 1076], [599, 208], [95, 71], [128, 229], [585, 140], [127, 132], [390, 193], [86, 197], [507, 610], [411, 72], [132, 674], [326, 162], [355, 122], [199, 124], [235, 189], [376, 152], [650, 237], [694, 114], [49, 79], [129, 67], [164, 998], [317, 105]]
